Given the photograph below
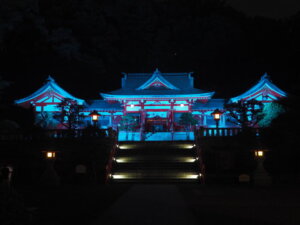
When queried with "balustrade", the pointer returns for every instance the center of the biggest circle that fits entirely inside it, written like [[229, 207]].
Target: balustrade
[[221, 132], [54, 134]]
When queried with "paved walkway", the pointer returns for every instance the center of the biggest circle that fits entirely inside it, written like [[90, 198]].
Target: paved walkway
[[147, 205]]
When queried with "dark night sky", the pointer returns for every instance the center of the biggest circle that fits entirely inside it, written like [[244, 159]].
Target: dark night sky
[[86, 48], [268, 8]]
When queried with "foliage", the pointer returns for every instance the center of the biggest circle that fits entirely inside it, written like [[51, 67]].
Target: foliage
[[3, 84], [245, 113], [187, 120], [282, 139], [270, 111], [46, 120], [70, 115]]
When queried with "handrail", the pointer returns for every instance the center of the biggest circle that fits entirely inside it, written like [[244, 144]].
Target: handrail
[[110, 161], [199, 157]]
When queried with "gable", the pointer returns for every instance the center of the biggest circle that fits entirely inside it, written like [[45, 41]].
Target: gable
[[50, 92], [51, 98], [264, 90], [157, 81]]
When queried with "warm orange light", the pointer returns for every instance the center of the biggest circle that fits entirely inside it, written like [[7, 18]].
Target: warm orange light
[[50, 155], [95, 117], [131, 105], [259, 153], [217, 116], [181, 105]]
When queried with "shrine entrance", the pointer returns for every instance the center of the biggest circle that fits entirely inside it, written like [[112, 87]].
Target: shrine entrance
[[156, 124]]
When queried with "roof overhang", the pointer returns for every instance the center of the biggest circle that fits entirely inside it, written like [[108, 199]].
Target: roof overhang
[[160, 97]]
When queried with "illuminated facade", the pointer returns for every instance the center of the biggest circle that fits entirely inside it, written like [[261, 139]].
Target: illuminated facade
[[155, 101]]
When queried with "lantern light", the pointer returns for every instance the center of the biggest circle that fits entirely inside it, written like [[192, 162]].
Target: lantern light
[[131, 106], [217, 114], [49, 154], [181, 105], [95, 115], [259, 153]]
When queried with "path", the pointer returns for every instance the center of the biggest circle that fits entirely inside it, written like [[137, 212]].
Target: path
[[149, 205]]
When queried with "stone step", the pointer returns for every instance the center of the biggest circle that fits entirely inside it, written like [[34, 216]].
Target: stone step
[[156, 145], [155, 175], [155, 158], [163, 153], [155, 162], [155, 166], [155, 180]]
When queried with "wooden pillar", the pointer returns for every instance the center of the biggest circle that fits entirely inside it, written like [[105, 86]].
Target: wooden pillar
[[142, 122], [223, 120], [111, 119], [172, 119], [204, 119], [190, 101]]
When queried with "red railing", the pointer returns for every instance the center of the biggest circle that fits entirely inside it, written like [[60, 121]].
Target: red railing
[[200, 159], [112, 154]]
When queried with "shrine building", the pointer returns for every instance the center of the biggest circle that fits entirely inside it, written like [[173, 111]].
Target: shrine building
[[155, 101]]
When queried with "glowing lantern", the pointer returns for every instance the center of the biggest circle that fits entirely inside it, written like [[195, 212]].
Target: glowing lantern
[[217, 116], [181, 105], [95, 116], [259, 153], [132, 106], [50, 154]]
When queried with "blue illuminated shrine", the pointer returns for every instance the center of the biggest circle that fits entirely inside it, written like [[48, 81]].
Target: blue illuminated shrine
[[154, 101]]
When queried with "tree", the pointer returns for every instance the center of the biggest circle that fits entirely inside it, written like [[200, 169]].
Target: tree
[[46, 120], [270, 111], [187, 120], [70, 115], [245, 114], [282, 139], [3, 84]]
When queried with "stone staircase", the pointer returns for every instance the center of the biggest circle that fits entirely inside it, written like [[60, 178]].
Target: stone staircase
[[156, 162]]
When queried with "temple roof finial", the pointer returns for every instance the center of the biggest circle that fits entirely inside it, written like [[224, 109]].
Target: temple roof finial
[[50, 79], [265, 76], [157, 71]]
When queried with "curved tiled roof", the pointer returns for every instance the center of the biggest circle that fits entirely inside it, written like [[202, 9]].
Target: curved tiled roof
[[50, 85], [137, 84], [211, 104], [264, 84], [102, 105]]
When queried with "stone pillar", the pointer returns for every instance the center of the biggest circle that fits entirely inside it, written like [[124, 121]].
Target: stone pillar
[[260, 175]]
